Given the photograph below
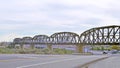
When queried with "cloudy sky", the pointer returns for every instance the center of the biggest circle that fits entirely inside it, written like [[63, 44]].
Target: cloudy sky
[[19, 18]]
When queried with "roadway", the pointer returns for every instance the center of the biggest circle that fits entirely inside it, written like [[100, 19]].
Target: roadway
[[111, 62], [44, 61]]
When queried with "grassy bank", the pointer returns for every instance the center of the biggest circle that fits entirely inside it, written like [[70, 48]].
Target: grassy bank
[[34, 51]]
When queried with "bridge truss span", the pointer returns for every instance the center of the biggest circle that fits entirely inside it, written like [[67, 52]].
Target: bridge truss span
[[109, 35], [65, 38], [40, 39]]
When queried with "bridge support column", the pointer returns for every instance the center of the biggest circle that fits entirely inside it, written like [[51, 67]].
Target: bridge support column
[[80, 48], [21, 46], [32, 46], [17, 46], [49, 46]]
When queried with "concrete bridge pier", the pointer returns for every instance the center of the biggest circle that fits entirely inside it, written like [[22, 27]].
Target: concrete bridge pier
[[32, 46], [21, 46], [49, 46], [80, 48]]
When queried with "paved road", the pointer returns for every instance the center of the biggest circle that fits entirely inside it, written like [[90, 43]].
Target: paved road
[[44, 61], [111, 62]]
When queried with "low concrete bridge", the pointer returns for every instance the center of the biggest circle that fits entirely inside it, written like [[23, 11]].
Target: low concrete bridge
[[106, 35]]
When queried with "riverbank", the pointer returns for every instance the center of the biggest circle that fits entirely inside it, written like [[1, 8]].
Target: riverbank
[[34, 51]]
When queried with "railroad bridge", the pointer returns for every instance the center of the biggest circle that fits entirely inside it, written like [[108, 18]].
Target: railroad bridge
[[106, 35]]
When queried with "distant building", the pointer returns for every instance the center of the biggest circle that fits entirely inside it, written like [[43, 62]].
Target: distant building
[[5, 44]]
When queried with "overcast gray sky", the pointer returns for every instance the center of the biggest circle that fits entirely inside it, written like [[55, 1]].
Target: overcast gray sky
[[19, 18]]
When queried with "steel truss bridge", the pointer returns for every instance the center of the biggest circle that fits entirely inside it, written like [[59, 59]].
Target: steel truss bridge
[[106, 35]]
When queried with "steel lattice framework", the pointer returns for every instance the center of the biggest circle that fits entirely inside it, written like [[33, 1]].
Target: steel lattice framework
[[26, 40], [17, 41], [64, 38], [108, 35], [40, 39]]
